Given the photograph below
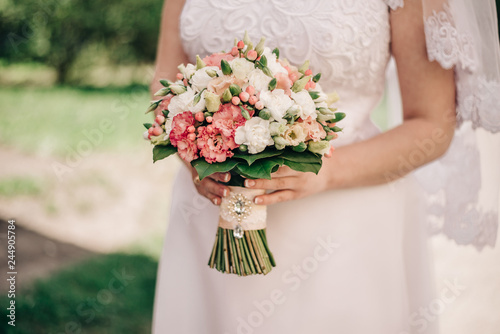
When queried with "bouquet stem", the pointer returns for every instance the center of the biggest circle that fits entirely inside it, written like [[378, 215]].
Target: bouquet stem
[[241, 246]]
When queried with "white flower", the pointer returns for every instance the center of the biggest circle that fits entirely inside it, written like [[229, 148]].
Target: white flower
[[258, 80], [241, 67], [321, 105], [200, 106], [200, 79], [321, 98], [305, 103], [277, 102], [168, 127], [272, 63], [181, 102], [255, 134], [187, 71], [278, 128]]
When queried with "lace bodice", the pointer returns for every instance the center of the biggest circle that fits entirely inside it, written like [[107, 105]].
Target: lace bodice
[[347, 41]]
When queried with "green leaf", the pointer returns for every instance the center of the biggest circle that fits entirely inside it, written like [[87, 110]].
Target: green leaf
[[276, 51], [338, 117], [301, 157], [251, 158], [245, 113], [272, 84], [147, 125], [162, 151], [260, 169], [165, 83], [205, 169], [263, 61], [303, 167], [317, 77], [314, 94]]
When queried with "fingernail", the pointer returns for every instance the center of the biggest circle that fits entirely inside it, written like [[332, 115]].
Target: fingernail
[[258, 200], [216, 201], [226, 177], [249, 183], [225, 193]]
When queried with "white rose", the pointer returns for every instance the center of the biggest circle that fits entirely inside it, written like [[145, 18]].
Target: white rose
[[181, 102], [258, 80], [200, 79], [277, 102], [241, 67], [305, 103], [272, 62], [255, 134]]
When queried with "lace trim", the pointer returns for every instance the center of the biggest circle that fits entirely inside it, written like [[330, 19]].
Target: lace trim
[[446, 44], [452, 207], [478, 101]]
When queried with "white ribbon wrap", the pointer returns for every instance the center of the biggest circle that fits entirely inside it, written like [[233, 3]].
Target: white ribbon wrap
[[239, 207]]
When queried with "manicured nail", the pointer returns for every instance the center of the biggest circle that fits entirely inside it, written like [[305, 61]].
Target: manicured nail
[[258, 200], [225, 193], [249, 183], [226, 177], [216, 201]]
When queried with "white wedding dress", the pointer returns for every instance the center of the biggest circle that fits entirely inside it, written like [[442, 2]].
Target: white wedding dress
[[348, 261]]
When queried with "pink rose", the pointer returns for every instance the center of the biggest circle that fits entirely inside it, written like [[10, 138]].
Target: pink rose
[[220, 84], [226, 120], [313, 129], [212, 146], [215, 59]]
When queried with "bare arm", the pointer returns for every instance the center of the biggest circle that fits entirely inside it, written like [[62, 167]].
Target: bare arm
[[170, 52], [428, 94]]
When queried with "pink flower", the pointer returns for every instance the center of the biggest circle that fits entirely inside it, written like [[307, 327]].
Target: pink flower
[[283, 81], [293, 72], [226, 120], [313, 129], [211, 145], [166, 101], [214, 59], [220, 84], [187, 149], [180, 125]]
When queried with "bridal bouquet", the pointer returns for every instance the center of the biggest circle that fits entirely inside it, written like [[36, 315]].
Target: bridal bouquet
[[246, 112]]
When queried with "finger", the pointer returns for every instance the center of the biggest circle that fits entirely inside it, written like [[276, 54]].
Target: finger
[[275, 197], [203, 191], [284, 171], [221, 177], [214, 187], [278, 183]]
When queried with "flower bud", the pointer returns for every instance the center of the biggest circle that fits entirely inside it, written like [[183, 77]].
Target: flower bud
[[278, 140], [272, 84], [166, 83], [199, 63], [300, 148], [225, 67], [243, 148], [212, 101], [304, 67], [162, 91], [265, 114], [260, 47], [300, 84], [332, 98], [320, 147], [235, 89], [177, 89], [211, 73], [317, 77], [227, 96], [246, 38]]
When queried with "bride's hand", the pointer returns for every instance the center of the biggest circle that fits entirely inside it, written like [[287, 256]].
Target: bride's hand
[[210, 187], [288, 185]]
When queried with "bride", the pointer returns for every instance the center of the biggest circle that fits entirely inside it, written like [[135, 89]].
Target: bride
[[350, 243]]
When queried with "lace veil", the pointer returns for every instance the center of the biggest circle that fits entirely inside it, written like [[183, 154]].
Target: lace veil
[[463, 186]]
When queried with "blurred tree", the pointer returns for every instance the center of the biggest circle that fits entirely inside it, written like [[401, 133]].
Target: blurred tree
[[56, 31]]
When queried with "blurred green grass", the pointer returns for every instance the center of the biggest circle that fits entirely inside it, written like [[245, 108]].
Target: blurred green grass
[[110, 294], [55, 120]]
